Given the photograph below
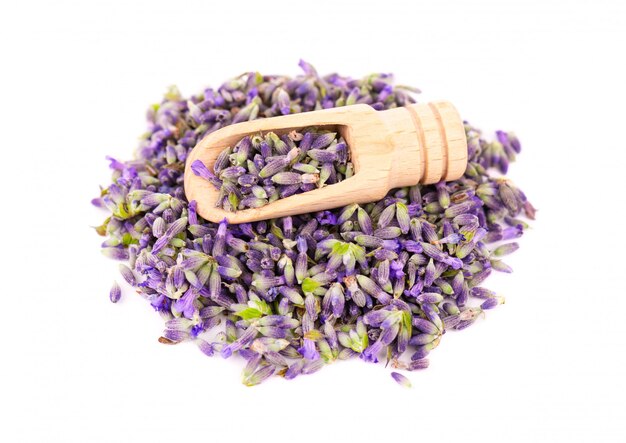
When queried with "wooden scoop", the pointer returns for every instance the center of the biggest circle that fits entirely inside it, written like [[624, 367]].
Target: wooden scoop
[[419, 143]]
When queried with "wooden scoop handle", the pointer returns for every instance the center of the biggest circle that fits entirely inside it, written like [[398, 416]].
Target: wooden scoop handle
[[428, 143]]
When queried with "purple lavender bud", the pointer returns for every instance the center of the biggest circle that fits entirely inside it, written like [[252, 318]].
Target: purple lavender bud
[[311, 305], [511, 233], [323, 140], [273, 168], [370, 354], [499, 265], [442, 194], [429, 233], [412, 246], [365, 222], [263, 283], [415, 228], [479, 277], [429, 297], [294, 370], [418, 364], [308, 181], [505, 249], [287, 178], [115, 253], [386, 216], [178, 276], [312, 366], [116, 293], [337, 299], [199, 169], [450, 307], [508, 197], [401, 379], [429, 273], [483, 293], [128, 275], [459, 209], [304, 167], [173, 336], [424, 326], [369, 241], [358, 297], [491, 303], [433, 316], [452, 239], [259, 192], [388, 233], [402, 216], [529, 210], [229, 273], [444, 287], [282, 100], [174, 229], [382, 272], [347, 213], [275, 359], [232, 173], [370, 287], [259, 376], [341, 149], [422, 339], [253, 202], [434, 252], [222, 161], [247, 180], [451, 321], [308, 350], [385, 254], [388, 335], [265, 149], [272, 331], [206, 347], [457, 282], [375, 318], [306, 141], [322, 156], [422, 352]]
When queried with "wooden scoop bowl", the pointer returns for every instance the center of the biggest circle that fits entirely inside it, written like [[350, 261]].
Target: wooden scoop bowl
[[419, 143]]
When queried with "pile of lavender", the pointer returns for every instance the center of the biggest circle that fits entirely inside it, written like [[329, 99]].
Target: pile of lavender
[[262, 169], [381, 281]]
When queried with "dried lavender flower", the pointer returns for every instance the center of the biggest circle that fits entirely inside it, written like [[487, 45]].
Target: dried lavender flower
[[401, 379], [387, 278], [115, 293]]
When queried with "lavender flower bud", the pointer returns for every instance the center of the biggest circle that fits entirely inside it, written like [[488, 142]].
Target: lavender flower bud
[[418, 364], [116, 293], [401, 379], [128, 275]]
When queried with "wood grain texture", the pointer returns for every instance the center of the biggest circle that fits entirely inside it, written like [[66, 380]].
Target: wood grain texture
[[389, 149]]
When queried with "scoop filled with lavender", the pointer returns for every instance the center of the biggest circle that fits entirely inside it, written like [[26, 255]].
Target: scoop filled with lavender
[[261, 169], [382, 281]]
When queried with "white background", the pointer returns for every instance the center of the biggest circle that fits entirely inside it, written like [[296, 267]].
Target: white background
[[76, 78]]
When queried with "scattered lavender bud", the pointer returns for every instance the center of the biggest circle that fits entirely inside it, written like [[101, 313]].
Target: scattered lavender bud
[[418, 364], [116, 293], [401, 379], [128, 275], [491, 303]]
